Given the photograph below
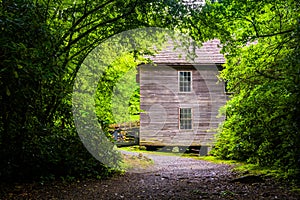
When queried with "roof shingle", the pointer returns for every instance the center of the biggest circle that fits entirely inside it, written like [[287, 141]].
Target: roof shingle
[[209, 53]]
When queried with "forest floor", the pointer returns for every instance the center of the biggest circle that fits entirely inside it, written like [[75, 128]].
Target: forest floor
[[169, 177]]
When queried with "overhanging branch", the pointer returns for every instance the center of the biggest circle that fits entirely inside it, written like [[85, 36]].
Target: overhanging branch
[[258, 35]]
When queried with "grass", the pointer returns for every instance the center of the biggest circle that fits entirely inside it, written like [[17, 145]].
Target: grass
[[216, 160], [141, 149], [136, 162], [254, 169], [134, 148]]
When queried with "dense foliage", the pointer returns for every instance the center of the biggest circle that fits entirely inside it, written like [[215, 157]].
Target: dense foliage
[[117, 96], [261, 43], [42, 45]]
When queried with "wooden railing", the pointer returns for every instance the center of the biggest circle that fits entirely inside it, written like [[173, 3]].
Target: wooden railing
[[126, 125]]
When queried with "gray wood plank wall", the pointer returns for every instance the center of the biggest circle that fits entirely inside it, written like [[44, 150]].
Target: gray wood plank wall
[[161, 100]]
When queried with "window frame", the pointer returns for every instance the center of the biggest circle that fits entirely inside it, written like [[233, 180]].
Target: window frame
[[186, 119], [190, 82]]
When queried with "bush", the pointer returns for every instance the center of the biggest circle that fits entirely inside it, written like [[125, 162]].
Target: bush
[[49, 153]]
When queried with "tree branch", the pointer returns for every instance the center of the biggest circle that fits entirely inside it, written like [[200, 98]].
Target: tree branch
[[278, 33], [258, 35], [83, 17], [95, 27]]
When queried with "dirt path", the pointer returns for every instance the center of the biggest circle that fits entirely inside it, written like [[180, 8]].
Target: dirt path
[[169, 178]]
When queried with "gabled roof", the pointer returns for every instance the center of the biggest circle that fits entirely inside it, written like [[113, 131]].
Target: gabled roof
[[209, 53]]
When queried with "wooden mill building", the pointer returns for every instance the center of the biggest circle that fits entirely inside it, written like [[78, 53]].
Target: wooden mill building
[[180, 99]]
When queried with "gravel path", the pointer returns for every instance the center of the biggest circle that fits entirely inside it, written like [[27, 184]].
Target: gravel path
[[170, 178]]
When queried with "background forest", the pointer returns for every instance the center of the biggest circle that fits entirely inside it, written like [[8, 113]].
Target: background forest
[[43, 44]]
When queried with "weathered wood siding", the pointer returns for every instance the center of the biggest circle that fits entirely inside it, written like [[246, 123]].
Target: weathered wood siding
[[161, 101]]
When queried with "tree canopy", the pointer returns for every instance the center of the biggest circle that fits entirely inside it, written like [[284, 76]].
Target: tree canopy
[[260, 40], [43, 44]]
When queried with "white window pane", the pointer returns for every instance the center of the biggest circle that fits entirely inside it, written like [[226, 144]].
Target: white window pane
[[185, 81], [185, 118]]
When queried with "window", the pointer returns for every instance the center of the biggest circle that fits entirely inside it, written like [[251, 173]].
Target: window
[[185, 81], [185, 118]]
